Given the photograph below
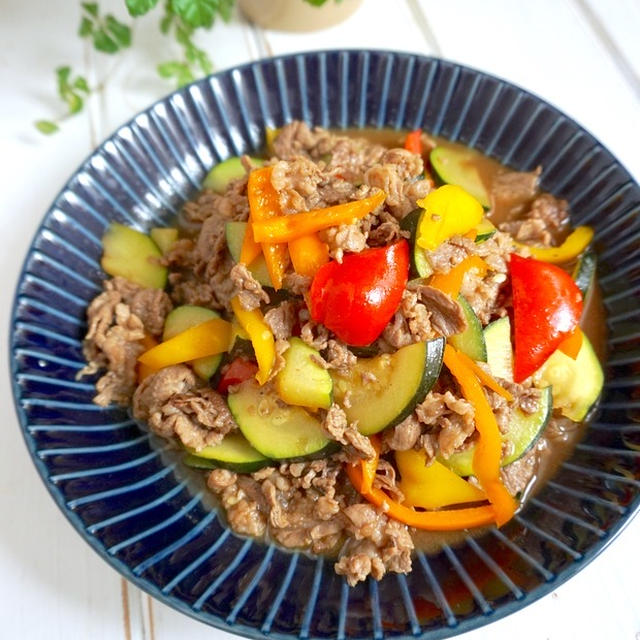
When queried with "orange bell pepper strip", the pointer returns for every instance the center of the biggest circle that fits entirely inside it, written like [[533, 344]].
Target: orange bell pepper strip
[[250, 248], [571, 345], [488, 452], [264, 204], [451, 282], [442, 520], [486, 379], [413, 141], [575, 243], [308, 254], [261, 338], [205, 339], [287, 228], [143, 371]]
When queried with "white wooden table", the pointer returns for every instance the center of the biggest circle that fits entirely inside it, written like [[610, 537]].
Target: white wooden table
[[581, 55]]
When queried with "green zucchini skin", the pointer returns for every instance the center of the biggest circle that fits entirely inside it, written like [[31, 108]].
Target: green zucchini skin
[[584, 273], [419, 266], [455, 166], [497, 337], [403, 379], [471, 340], [233, 453], [577, 384], [302, 381], [524, 431], [276, 430], [234, 234], [222, 174]]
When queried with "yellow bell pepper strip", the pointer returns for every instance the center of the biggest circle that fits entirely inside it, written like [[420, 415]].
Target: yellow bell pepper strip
[[571, 345], [287, 228], [449, 211], [484, 377], [451, 282], [270, 135], [205, 339], [264, 204], [486, 458], [442, 520], [576, 242], [250, 248], [261, 338], [308, 254], [369, 467], [142, 370], [432, 486]]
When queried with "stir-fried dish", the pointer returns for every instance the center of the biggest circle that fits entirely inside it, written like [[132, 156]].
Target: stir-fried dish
[[356, 342]]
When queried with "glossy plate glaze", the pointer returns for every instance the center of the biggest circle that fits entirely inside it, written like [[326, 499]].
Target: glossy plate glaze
[[151, 519]]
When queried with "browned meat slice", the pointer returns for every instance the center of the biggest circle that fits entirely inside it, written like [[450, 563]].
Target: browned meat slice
[[339, 357], [517, 475], [404, 435], [172, 405], [454, 417], [347, 238], [114, 334], [281, 319], [249, 291], [451, 253], [337, 426], [376, 545], [445, 313], [242, 499], [512, 191]]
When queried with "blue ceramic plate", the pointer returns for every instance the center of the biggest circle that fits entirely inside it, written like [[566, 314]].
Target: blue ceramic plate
[[151, 520]]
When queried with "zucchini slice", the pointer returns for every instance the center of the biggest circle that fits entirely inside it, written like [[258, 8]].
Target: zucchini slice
[[222, 174], [458, 166], [471, 341], [584, 273], [497, 337], [234, 233], [419, 266], [132, 255], [485, 230], [164, 237], [384, 390], [183, 318], [233, 453], [524, 430], [276, 430], [302, 381], [576, 384]]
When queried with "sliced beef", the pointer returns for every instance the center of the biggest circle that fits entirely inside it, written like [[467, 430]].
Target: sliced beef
[[114, 334], [249, 291], [403, 436], [172, 405], [347, 238], [375, 546], [446, 314], [339, 357], [282, 319], [512, 191], [454, 416], [337, 426]]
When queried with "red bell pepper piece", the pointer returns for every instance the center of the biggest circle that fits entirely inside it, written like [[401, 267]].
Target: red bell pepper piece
[[357, 298], [547, 306], [236, 372], [413, 142]]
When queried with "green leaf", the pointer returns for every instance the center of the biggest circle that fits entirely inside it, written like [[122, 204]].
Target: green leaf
[[74, 102], [81, 84], [140, 7], [178, 70], [46, 126], [224, 8], [120, 32], [102, 41], [91, 8], [86, 28], [165, 23], [197, 13], [63, 74]]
